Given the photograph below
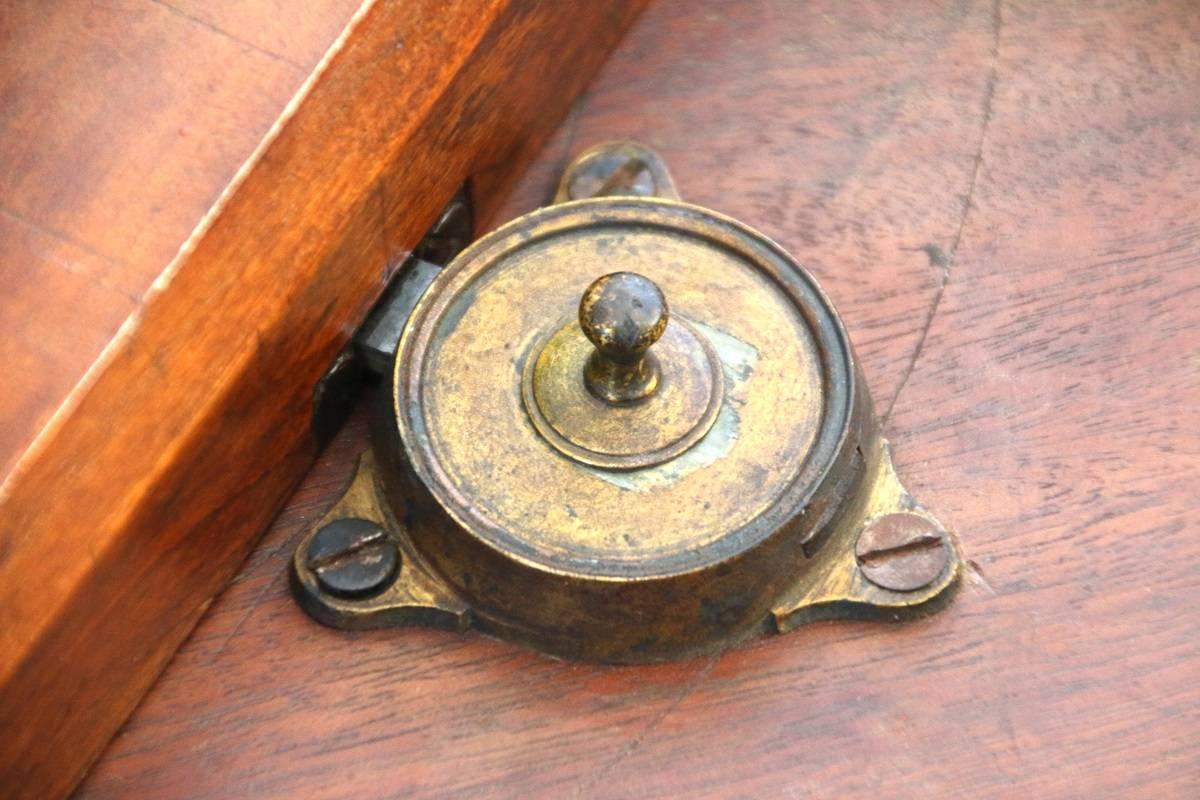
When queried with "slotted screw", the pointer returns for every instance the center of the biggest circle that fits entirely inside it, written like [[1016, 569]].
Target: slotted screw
[[612, 173], [353, 558], [902, 552]]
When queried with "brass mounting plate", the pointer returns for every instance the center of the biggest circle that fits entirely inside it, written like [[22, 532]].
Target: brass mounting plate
[[832, 586], [741, 488]]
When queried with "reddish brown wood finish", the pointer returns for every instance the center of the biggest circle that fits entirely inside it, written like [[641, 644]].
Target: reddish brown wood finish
[[137, 500], [1004, 202], [116, 136]]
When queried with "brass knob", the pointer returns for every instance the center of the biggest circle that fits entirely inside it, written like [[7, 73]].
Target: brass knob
[[622, 313]]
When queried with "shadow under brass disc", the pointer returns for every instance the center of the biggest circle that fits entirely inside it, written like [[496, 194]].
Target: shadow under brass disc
[[657, 428]]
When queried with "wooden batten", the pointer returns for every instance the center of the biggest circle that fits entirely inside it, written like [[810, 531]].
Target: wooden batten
[[143, 494]]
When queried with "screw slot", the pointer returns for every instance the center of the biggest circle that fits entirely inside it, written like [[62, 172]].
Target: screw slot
[[353, 558], [902, 552]]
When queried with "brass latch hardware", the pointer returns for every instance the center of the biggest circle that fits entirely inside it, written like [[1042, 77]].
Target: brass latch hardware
[[621, 428], [373, 347]]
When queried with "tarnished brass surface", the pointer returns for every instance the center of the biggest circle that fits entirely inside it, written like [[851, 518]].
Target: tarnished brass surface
[[622, 314], [676, 411], [416, 597], [724, 501], [831, 585], [834, 585], [629, 169], [467, 432]]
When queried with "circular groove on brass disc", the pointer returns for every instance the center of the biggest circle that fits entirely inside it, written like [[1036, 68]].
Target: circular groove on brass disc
[[657, 429], [787, 376]]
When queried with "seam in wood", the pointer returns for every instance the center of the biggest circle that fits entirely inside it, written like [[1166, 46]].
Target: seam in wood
[[946, 263], [630, 747], [69, 266], [231, 37]]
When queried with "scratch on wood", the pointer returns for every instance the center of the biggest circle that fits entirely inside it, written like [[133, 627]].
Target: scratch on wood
[[976, 577]]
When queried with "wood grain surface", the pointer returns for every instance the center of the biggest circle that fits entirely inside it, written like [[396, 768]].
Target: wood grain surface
[[185, 262], [1003, 200], [120, 125]]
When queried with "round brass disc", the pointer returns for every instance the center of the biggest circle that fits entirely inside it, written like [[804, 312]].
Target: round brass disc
[[655, 429], [734, 461]]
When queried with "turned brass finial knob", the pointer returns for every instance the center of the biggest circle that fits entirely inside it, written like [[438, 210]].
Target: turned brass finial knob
[[622, 313]]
